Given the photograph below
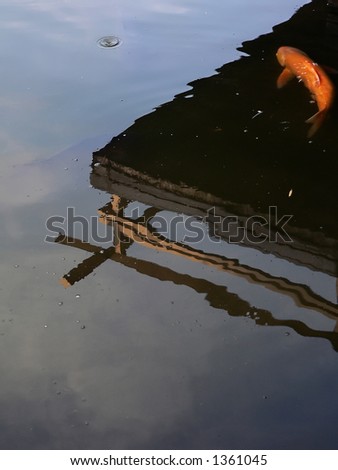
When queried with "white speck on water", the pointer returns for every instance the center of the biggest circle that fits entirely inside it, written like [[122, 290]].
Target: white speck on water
[[259, 112]]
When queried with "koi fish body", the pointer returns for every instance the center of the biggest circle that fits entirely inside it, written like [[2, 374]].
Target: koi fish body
[[297, 64]]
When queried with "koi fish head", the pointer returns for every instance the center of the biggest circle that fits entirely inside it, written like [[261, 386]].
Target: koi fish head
[[286, 53], [281, 56]]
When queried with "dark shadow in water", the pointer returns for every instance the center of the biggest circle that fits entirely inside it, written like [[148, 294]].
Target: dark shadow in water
[[236, 136], [239, 146]]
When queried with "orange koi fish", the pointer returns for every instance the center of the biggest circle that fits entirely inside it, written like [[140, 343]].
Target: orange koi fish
[[298, 64]]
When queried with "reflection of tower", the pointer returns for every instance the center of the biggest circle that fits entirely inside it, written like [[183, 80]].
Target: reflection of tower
[[118, 205]]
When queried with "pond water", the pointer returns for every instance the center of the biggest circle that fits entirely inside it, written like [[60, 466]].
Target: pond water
[[155, 345]]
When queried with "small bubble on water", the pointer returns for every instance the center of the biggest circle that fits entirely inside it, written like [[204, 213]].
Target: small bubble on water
[[16, 265], [60, 303], [108, 41], [77, 296]]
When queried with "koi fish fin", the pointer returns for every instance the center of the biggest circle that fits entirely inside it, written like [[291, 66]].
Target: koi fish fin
[[284, 78], [316, 120]]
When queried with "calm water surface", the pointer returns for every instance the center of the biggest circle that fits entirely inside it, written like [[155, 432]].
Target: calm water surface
[[148, 350]]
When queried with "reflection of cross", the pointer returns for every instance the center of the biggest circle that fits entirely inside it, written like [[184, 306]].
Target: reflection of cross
[[127, 231], [218, 296]]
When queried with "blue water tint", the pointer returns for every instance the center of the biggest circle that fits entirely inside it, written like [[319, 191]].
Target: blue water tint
[[145, 349]]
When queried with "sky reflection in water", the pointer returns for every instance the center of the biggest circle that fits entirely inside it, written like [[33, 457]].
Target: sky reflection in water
[[122, 359]]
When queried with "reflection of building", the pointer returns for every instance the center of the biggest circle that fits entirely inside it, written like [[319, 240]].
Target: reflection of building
[[227, 139], [129, 231]]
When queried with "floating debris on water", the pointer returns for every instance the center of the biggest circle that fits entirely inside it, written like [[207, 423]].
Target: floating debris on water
[[257, 114], [109, 41]]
